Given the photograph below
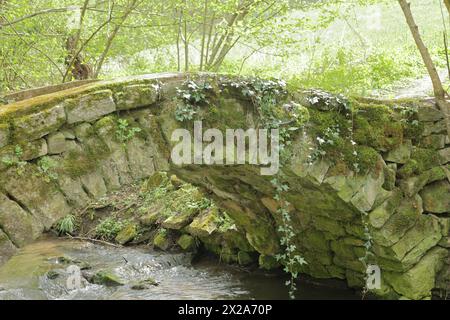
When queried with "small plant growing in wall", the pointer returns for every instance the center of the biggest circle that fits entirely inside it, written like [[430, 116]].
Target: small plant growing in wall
[[125, 132], [191, 96], [46, 167], [15, 160]]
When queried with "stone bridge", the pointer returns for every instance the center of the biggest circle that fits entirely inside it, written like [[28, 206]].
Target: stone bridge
[[367, 184]]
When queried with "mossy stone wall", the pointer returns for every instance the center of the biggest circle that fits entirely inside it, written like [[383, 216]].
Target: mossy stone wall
[[399, 192]]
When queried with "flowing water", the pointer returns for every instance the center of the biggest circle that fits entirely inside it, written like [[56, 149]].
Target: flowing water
[[41, 271]]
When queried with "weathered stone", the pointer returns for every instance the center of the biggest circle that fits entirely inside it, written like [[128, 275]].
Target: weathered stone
[[56, 143], [127, 234], [82, 131], [40, 197], [186, 242], [68, 134], [405, 217], [380, 215], [21, 226], [4, 134], [140, 159], [110, 174], [94, 184], [342, 250], [413, 185], [329, 225], [106, 278], [390, 176], [205, 223], [318, 170], [416, 242], [437, 127], [434, 141], [162, 240], [436, 197], [154, 181], [150, 218], [364, 200], [445, 155], [418, 282], [355, 265], [38, 124], [144, 284], [315, 241], [136, 96], [425, 234], [259, 231], [429, 114], [7, 248], [179, 220], [356, 230], [34, 149], [400, 154], [90, 107], [73, 190]]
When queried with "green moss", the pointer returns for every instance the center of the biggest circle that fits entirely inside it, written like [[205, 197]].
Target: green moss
[[77, 164], [106, 278], [127, 234], [162, 241], [224, 114], [186, 242], [376, 127], [322, 120], [421, 161], [106, 124]]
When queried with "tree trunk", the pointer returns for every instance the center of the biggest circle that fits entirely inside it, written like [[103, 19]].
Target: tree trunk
[[447, 5], [204, 31], [74, 61], [439, 91], [112, 36], [437, 84]]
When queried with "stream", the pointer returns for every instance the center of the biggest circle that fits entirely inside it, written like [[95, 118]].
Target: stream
[[40, 271]]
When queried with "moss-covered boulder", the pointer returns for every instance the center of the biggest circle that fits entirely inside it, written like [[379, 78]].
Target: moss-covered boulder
[[205, 223], [144, 284], [151, 218], [162, 240], [127, 234], [186, 242], [106, 278]]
